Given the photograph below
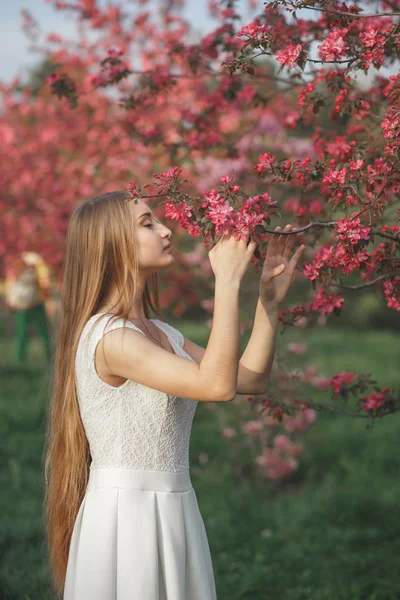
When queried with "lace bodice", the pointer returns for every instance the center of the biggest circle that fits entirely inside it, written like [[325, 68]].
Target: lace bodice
[[132, 426]]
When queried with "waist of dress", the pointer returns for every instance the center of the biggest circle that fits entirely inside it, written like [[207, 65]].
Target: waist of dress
[[119, 477]]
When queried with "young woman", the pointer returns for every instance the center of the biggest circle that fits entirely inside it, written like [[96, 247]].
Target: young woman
[[122, 517]]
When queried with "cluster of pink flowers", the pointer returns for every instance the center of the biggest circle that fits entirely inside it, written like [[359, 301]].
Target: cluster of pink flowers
[[265, 161], [325, 303], [341, 379], [394, 81], [227, 179], [348, 260], [374, 40], [276, 463], [335, 177], [351, 229], [168, 177], [182, 213], [301, 422], [374, 400], [334, 46], [255, 31], [340, 100], [287, 446], [371, 36], [289, 55], [378, 255], [256, 201], [295, 315], [391, 123], [356, 165], [309, 88], [311, 270], [132, 188], [219, 212], [340, 149], [215, 208], [392, 292]]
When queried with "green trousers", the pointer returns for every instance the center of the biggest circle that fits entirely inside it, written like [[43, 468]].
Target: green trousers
[[38, 317]]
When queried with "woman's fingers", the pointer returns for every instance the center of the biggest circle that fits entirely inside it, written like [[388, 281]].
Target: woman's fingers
[[274, 241], [289, 243], [298, 252]]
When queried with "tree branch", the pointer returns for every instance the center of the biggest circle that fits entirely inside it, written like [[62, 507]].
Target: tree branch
[[364, 285], [348, 14], [322, 407], [331, 224]]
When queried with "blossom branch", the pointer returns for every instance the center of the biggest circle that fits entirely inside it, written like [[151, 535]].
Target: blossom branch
[[347, 14], [328, 408], [364, 285], [331, 224]]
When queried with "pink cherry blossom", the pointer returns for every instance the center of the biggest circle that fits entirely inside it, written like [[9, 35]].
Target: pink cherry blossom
[[252, 427], [334, 46], [301, 422], [351, 229], [289, 55], [276, 465], [374, 399], [341, 379]]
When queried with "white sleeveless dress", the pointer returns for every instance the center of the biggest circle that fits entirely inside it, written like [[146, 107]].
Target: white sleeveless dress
[[139, 533]]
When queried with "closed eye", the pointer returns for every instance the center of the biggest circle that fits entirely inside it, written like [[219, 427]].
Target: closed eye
[[149, 225]]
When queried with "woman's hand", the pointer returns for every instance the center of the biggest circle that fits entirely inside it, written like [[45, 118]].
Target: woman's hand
[[278, 269]]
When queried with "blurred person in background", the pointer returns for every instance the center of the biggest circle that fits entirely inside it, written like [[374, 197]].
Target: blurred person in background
[[27, 287]]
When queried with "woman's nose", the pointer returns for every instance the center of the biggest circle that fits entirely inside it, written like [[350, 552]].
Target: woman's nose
[[168, 232]]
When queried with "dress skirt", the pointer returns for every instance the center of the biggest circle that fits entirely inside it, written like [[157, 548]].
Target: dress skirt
[[139, 535]]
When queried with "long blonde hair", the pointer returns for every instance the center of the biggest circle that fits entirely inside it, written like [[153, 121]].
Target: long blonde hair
[[101, 250]]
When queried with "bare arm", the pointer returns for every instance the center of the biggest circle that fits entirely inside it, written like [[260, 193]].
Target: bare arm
[[130, 354], [258, 357], [221, 358], [256, 361]]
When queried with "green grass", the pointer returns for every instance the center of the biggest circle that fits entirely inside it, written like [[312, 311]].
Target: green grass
[[331, 533]]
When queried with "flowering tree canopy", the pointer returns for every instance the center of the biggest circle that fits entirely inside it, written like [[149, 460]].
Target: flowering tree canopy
[[251, 122]]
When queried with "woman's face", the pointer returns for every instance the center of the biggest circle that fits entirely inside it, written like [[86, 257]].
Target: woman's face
[[152, 236]]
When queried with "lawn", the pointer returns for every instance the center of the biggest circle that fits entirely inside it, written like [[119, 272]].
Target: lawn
[[333, 533]]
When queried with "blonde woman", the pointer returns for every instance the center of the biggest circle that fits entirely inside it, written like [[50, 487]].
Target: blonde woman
[[122, 517]]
